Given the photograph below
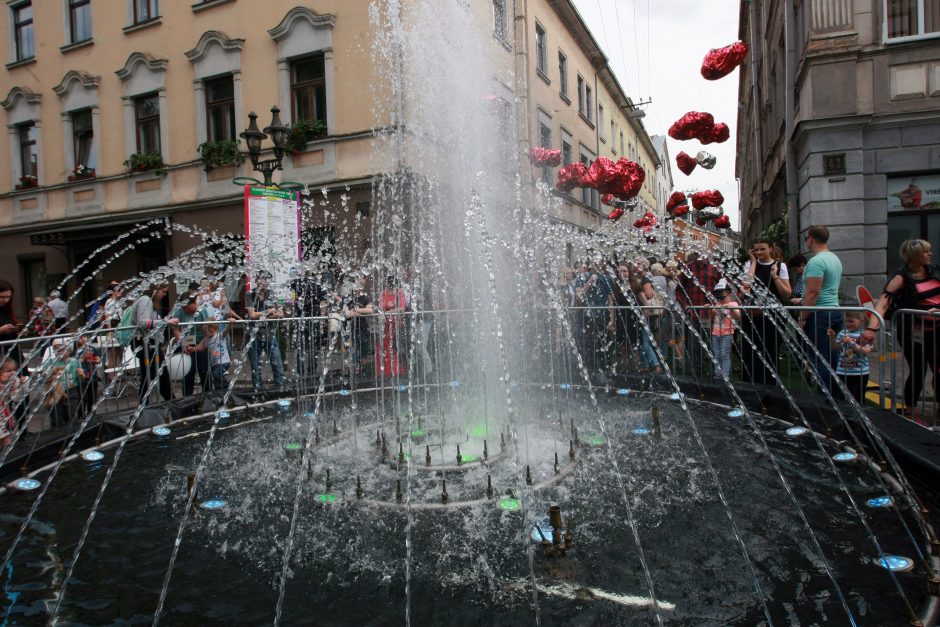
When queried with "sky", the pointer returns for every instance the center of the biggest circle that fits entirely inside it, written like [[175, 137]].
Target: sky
[[655, 48]]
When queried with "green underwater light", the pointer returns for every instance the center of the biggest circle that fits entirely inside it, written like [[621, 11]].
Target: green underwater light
[[326, 498], [478, 431], [468, 458], [293, 446], [509, 505]]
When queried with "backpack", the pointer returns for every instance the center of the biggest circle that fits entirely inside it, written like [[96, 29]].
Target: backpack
[[126, 330]]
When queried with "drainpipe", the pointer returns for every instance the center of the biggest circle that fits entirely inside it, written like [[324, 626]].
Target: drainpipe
[[523, 97], [757, 152], [793, 184]]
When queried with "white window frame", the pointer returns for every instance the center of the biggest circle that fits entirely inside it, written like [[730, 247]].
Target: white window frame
[[600, 122], [302, 33], [920, 25], [22, 107], [78, 91], [141, 75], [500, 6], [541, 53], [563, 75], [215, 56]]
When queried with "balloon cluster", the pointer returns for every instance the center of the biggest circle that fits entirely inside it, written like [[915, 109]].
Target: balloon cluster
[[720, 62], [620, 181], [701, 126], [545, 157]]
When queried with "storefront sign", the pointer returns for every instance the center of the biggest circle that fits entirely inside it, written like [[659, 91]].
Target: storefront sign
[[272, 232], [914, 192]]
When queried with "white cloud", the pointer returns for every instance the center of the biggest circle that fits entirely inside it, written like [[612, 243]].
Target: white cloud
[[658, 55]]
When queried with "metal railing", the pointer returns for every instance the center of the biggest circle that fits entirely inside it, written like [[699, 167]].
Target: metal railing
[[571, 345]]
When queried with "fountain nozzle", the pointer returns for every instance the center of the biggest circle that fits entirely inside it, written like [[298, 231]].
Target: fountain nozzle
[[401, 452], [444, 491], [427, 455], [316, 436], [329, 482], [359, 491], [459, 456], [562, 540], [528, 475], [486, 453], [655, 414], [489, 487], [556, 463], [398, 494], [571, 449]]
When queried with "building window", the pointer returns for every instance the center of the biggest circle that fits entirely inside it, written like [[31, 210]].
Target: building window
[[545, 141], [29, 150], [612, 131], [83, 138], [580, 95], [146, 10], [541, 50], [588, 104], [220, 109], [79, 20], [565, 152], [562, 74], [23, 33], [600, 121], [147, 121], [911, 18], [589, 196], [308, 89], [499, 18]]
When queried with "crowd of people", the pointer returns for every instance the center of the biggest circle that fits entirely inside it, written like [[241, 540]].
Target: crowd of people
[[624, 316]]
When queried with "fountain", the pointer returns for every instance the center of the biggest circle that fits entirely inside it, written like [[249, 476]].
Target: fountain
[[508, 482]]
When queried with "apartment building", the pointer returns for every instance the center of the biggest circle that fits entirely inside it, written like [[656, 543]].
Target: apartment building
[[839, 124], [119, 117], [576, 104]]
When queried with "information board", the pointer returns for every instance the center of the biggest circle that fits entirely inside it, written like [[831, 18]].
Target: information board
[[272, 233]]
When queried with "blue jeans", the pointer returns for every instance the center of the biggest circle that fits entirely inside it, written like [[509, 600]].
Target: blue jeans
[[817, 325], [648, 358], [721, 347], [266, 341]]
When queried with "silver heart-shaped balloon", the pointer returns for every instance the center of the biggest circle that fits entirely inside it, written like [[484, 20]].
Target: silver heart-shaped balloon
[[705, 159]]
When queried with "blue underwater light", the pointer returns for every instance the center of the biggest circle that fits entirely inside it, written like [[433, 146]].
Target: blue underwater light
[[844, 458], [623, 391], [402, 387], [224, 415], [795, 431], [880, 501], [213, 504], [545, 526], [737, 412], [92, 456], [284, 403], [162, 431], [641, 431], [675, 396], [455, 383], [344, 392], [26, 485], [565, 386], [896, 563]]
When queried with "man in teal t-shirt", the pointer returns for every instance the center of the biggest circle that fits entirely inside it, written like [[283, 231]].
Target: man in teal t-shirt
[[822, 277]]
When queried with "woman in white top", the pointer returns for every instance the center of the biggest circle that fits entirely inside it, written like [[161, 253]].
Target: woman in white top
[[771, 273]]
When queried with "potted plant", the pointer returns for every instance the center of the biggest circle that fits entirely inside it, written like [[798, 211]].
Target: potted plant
[[80, 172], [28, 181], [301, 132], [145, 162], [219, 153]]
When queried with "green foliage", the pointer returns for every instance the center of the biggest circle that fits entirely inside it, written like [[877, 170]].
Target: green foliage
[[779, 232], [301, 132], [146, 162], [219, 153]]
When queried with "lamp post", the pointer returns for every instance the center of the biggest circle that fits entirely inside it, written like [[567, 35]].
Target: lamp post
[[253, 138]]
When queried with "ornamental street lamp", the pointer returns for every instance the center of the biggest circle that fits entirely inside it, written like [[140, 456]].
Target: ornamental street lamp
[[253, 138]]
